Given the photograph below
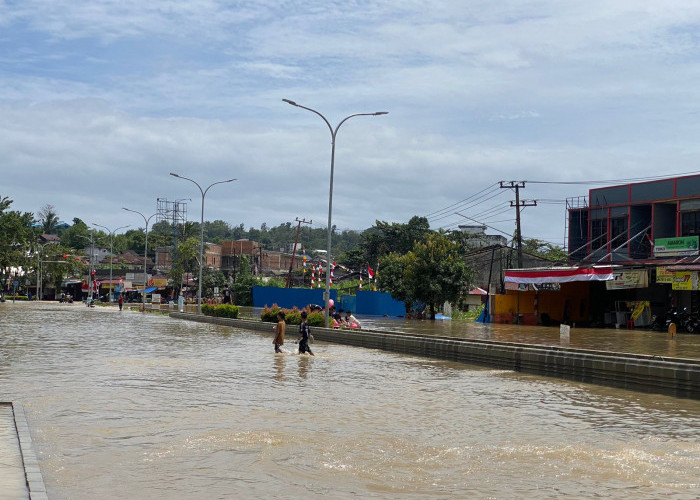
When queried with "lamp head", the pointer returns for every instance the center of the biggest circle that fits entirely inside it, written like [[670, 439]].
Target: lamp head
[[174, 174], [290, 102], [381, 113]]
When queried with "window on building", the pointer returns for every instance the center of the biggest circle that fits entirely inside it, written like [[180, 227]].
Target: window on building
[[690, 223], [599, 233], [618, 226]]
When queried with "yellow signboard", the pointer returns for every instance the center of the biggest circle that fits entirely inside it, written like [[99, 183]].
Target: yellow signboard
[[685, 280], [663, 275]]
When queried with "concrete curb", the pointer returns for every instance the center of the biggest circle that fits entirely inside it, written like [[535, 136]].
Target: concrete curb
[[32, 472], [673, 376]]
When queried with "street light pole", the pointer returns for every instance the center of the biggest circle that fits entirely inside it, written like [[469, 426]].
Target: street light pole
[[145, 253], [334, 132], [111, 256], [38, 276], [201, 242]]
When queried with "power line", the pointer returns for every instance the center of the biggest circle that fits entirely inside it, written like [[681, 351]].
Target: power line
[[473, 199], [613, 181]]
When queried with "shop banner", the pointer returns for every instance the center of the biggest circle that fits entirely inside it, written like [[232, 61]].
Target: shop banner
[[663, 275], [558, 275], [685, 280], [633, 278], [675, 247]]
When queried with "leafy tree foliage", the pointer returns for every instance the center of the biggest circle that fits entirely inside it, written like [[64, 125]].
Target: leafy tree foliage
[[386, 237], [78, 235], [17, 236], [434, 271], [186, 261], [242, 287], [49, 219], [547, 251], [212, 278]]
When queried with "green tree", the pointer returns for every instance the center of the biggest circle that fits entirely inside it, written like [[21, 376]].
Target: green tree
[[217, 231], [392, 278], [437, 271], [432, 273], [77, 236], [544, 250], [353, 259], [55, 269], [212, 278], [17, 236], [186, 262], [242, 287], [49, 219], [387, 237]]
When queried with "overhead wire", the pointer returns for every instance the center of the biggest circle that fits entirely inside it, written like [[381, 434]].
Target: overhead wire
[[493, 186], [613, 181], [465, 204]]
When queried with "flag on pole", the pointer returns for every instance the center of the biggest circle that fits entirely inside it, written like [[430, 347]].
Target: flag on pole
[[304, 259], [360, 281], [370, 273]]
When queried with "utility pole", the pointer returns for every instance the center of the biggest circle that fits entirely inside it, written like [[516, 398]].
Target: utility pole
[[294, 252], [517, 186]]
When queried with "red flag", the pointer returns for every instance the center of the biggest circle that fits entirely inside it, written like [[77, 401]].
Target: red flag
[[370, 272]]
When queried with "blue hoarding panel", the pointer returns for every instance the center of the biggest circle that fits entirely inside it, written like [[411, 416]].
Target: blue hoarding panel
[[378, 304]]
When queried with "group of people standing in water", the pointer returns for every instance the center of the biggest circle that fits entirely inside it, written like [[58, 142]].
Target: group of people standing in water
[[305, 337]]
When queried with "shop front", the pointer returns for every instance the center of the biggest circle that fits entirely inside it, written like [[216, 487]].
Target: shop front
[[548, 296]]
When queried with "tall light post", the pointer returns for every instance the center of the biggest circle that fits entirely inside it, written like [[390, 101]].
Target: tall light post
[[111, 256], [92, 256], [145, 253], [38, 271], [334, 132], [201, 243]]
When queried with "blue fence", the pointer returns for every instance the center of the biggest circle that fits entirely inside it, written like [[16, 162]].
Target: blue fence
[[378, 304], [366, 303]]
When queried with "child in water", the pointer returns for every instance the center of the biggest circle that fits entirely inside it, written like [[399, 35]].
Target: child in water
[[279, 331], [304, 333]]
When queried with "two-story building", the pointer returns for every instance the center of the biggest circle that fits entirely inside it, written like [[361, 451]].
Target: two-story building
[[648, 232]]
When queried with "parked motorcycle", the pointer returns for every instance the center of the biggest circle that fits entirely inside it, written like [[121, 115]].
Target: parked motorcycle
[[684, 321]]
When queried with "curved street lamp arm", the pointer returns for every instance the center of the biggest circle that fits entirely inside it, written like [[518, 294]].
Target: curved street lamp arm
[[214, 184]]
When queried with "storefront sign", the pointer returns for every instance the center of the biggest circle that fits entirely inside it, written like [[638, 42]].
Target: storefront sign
[[685, 280], [674, 247], [542, 287], [663, 275], [634, 278]]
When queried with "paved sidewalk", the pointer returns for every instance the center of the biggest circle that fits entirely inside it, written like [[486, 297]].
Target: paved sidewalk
[[20, 476]]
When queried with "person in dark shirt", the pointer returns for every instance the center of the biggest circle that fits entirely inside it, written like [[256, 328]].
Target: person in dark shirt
[[304, 334]]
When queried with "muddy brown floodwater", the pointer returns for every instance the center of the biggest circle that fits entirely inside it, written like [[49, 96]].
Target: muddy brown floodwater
[[133, 406]]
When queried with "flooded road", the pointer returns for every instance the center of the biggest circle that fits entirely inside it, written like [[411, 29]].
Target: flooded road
[[133, 406], [605, 339]]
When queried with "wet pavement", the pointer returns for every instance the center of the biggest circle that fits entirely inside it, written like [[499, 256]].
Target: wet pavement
[[12, 480]]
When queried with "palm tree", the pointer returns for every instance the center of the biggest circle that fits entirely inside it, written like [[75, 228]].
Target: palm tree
[[49, 219]]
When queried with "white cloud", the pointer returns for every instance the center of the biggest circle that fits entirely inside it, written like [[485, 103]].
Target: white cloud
[[100, 100]]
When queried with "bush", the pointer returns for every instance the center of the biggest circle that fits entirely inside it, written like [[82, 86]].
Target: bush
[[292, 316], [16, 297], [220, 310]]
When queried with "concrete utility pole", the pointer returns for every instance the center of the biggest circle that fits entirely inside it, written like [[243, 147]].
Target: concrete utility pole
[[517, 186], [294, 252]]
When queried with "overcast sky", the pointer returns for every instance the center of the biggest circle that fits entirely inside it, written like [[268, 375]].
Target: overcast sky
[[100, 100]]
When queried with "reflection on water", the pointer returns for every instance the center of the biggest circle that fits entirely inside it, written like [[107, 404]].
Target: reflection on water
[[124, 405], [622, 340]]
